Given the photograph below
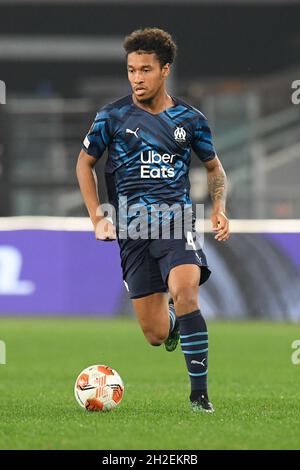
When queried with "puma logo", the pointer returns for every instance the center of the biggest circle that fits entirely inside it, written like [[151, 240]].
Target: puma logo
[[197, 362], [129, 131]]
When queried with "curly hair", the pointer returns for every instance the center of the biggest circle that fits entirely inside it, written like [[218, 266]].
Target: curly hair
[[152, 40]]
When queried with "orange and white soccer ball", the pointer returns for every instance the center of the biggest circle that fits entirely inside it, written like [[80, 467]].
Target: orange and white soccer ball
[[99, 388]]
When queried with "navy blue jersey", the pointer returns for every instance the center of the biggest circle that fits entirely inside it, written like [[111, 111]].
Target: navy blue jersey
[[149, 154]]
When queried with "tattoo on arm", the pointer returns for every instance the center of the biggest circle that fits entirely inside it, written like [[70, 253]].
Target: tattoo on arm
[[217, 187]]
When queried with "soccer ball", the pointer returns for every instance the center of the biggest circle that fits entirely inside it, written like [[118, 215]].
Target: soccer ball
[[99, 388]]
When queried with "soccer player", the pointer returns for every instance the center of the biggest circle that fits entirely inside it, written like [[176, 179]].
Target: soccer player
[[149, 135]]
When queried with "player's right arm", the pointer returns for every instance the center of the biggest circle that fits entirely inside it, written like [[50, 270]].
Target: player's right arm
[[104, 229], [94, 144]]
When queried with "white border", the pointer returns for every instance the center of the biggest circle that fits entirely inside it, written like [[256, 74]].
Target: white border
[[83, 224]]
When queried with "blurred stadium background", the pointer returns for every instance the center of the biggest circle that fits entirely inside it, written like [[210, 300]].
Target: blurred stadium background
[[61, 60]]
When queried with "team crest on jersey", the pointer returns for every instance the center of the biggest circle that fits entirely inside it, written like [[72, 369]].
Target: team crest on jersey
[[179, 134]]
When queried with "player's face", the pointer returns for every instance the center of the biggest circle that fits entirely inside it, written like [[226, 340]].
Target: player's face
[[146, 75]]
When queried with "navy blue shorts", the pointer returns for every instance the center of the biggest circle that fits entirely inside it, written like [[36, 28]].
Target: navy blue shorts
[[146, 263]]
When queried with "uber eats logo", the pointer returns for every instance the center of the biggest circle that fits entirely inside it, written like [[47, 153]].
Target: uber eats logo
[[163, 170]]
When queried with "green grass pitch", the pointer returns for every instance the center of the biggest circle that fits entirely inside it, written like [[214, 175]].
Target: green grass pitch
[[254, 386]]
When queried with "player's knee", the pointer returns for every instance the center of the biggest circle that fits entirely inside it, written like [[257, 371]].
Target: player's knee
[[187, 298], [155, 339], [155, 342]]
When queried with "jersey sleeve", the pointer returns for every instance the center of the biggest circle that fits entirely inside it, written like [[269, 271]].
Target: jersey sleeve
[[98, 137], [202, 143]]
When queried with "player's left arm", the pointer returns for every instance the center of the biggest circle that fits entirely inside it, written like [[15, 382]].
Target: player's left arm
[[217, 185]]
